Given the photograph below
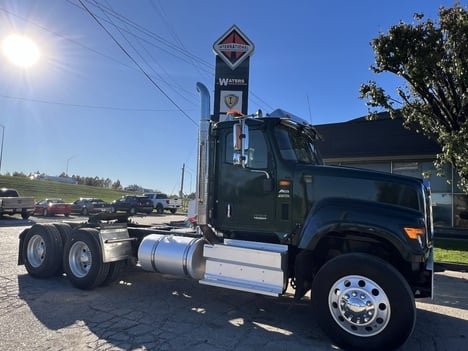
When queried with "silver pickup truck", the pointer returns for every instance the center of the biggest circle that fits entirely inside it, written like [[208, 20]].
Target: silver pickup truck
[[11, 203]]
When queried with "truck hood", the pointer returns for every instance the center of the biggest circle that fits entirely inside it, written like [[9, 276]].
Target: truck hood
[[346, 182]]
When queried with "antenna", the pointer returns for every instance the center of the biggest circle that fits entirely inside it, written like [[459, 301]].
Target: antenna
[[308, 105]]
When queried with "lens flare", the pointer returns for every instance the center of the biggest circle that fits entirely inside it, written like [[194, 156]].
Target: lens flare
[[21, 50]]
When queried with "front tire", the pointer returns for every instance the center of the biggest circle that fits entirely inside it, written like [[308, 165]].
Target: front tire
[[42, 251], [363, 303], [82, 259]]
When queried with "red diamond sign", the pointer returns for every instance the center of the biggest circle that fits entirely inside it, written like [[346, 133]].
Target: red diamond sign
[[233, 47]]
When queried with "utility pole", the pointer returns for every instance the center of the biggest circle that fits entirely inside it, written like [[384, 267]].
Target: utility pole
[[1, 150], [68, 161], [181, 192]]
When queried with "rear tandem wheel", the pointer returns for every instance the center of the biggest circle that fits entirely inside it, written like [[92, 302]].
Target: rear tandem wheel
[[82, 259], [83, 262], [42, 251]]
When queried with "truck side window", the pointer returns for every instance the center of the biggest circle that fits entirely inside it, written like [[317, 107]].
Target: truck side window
[[294, 146], [257, 152]]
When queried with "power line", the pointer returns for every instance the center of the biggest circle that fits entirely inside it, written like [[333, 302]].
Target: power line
[[181, 50], [137, 64], [178, 88], [131, 109]]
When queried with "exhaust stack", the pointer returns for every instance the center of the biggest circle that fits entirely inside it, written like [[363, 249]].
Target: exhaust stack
[[203, 155]]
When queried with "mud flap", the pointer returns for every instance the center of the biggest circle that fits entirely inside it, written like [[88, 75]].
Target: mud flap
[[20, 249], [304, 273]]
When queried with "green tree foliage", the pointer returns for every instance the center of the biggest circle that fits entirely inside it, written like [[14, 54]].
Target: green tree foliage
[[432, 59]]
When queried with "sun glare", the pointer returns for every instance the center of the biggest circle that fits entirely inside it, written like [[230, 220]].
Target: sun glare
[[20, 50]]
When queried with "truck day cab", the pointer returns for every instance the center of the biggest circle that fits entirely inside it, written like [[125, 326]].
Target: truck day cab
[[271, 214]]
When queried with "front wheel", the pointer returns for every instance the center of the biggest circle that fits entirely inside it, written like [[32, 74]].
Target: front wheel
[[363, 303]]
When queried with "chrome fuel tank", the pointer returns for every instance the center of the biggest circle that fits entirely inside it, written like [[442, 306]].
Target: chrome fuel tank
[[170, 254]]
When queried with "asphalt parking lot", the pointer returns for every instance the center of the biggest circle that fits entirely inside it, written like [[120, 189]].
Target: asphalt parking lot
[[147, 311]]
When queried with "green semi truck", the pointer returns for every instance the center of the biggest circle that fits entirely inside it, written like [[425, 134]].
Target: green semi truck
[[270, 216]]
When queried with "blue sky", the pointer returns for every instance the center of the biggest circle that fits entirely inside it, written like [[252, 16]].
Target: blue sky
[[87, 106]]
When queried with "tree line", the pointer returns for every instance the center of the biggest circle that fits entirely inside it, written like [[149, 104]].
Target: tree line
[[106, 183]]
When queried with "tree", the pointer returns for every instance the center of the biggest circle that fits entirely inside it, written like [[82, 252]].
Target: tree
[[116, 185], [432, 59], [134, 188]]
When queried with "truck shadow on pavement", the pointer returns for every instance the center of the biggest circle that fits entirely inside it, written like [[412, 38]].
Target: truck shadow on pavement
[[158, 312], [150, 311], [6, 221]]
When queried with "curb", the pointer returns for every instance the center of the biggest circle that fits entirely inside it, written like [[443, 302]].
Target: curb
[[442, 266]]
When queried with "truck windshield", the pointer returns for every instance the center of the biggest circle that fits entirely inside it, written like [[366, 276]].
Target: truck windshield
[[295, 145]]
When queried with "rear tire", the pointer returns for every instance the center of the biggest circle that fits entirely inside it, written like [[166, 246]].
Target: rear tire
[[65, 231], [363, 303], [173, 210], [159, 209], [115, 269], [82, 258], [42, 251]]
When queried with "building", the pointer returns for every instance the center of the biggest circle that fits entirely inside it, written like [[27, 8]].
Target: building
[[385, 145]]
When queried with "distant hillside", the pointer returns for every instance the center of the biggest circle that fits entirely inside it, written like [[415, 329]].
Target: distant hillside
[[40, 189]]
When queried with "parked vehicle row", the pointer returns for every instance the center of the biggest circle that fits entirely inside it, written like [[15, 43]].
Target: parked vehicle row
[[132, 204], [82, 206]]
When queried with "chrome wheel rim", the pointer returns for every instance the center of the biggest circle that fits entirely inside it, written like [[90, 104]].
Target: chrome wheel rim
[[80, 259], [36, 251], [359, 305]]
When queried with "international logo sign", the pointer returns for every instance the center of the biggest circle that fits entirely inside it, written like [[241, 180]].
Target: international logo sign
[[233, 47]]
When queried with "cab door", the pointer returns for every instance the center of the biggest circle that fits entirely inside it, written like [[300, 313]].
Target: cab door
[[245, 199]]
